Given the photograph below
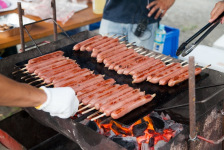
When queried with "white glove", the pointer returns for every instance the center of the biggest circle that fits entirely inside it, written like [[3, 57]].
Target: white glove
[[61, 102]]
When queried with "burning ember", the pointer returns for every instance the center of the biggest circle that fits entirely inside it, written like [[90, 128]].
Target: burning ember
[[143, 134]]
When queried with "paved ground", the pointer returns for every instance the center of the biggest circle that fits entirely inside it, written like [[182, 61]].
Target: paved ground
[[188, 16]]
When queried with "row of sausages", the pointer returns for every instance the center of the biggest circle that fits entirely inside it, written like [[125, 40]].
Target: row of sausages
[[127, 61], [92, 90]]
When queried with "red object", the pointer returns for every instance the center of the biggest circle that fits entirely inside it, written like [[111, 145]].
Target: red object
[[9, 142]]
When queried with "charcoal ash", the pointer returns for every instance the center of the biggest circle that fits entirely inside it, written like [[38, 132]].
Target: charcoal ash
[[128, 142], [177, 127], [159, 145], [138, 130], [145, 146]]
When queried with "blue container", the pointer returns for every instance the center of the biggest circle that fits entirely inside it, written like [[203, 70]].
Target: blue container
[[94, 26], [171, 41]]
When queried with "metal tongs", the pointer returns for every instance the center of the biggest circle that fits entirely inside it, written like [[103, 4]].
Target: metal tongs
[[184, 50]]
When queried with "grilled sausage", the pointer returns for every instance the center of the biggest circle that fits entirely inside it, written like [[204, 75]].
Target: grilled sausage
[[146, 66], [129, 64], [89, 89], [96, 89], [114, 51], [115, 104], [137, 64], [182, 77], [60, 69], [113, 97], [96, 50], [160, 71], [87, 99], [75, 80], [166, 79], [78, 46], [90, 47], [83, 47], [126, 108], [122, 65], [62, 76], [87, 83], [45, 57], [123, 59], [143, 76], [54, 68], [54, 65], [165, 73], [32, 67], [107, 61], [124, 88]]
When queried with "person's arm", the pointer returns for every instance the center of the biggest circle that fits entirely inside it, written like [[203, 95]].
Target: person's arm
[[61, 102], [161, 5], [217, 10], [13, 93]]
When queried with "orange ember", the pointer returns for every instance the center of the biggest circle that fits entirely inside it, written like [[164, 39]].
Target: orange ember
[[142, 129]]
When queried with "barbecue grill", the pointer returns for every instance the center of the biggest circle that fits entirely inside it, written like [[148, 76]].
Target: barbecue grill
[[207, 84]]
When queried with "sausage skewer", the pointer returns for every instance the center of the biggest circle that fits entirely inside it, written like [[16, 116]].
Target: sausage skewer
[[123, 110], [184, 76]]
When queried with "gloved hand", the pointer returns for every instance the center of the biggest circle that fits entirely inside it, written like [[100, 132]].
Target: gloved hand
[[61, 102]]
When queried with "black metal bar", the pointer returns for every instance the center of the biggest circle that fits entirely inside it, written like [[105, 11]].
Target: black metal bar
[[53, 5], [20, 12]]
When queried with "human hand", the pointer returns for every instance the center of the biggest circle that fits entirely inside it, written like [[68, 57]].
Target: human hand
[[161, 5], [61, 102], [217, 10]]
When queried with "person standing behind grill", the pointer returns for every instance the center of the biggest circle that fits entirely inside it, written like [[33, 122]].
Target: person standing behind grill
[[61, 102], [216, 11], [136, 19]]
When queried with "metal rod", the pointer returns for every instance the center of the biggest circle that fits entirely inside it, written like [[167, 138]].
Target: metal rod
[[53, 5], [192, 99], [20, 12], [33, 41]]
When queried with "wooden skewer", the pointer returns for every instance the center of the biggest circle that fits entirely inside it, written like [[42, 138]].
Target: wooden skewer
[[42, 83], [97, 117], [111, 35], [84, 107], [31, 78], [88, 110], [149, 54], [206, 67], [131, 43], [121, 37], [22, 69], [35, 81], [25, 76], [168, 60], [49, 84], [80, 104], [90, 116], [165, 58], [144, 52], [158, 56], [183, 62]]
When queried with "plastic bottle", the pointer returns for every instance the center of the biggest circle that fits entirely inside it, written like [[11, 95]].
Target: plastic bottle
[[159, 39]]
